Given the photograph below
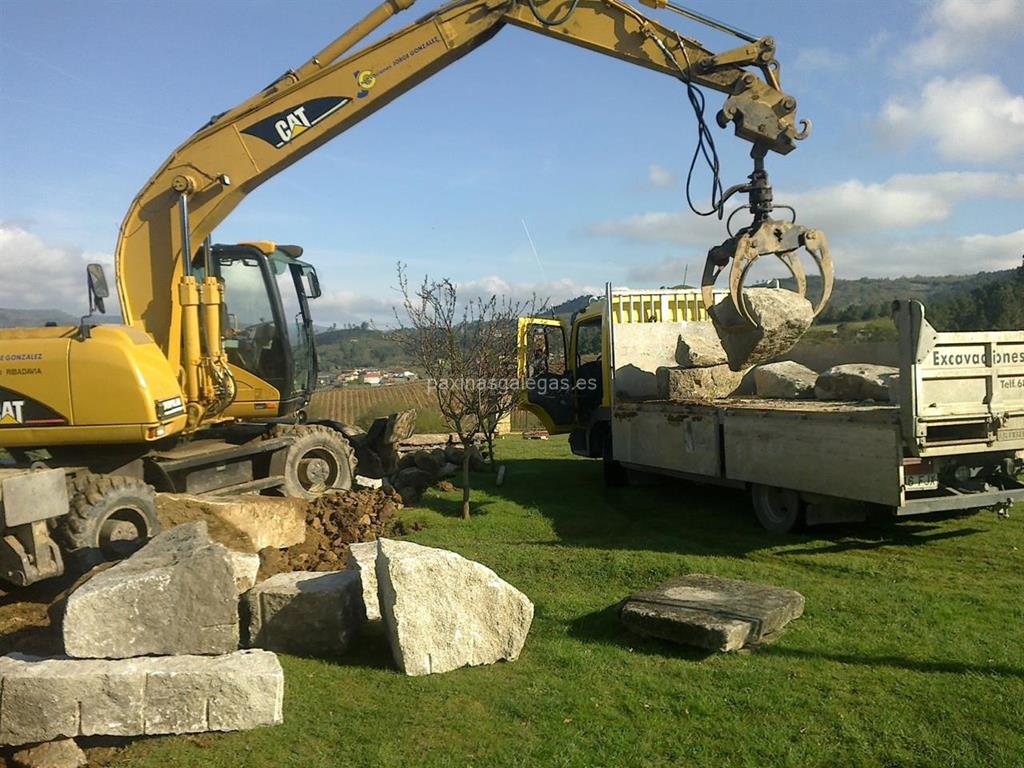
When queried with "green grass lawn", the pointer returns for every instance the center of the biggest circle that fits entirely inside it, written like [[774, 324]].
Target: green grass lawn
[[910, 651]]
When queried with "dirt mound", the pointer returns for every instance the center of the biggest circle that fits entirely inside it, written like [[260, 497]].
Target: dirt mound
[[332, 523]]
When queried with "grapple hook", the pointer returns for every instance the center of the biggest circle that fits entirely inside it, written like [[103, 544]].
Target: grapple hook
[[781, 239]]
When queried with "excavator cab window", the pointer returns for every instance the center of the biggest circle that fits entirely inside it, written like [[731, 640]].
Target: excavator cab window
[[268, 329]]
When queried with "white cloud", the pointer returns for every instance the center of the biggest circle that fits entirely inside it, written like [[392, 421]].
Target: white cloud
[[347, 306], [930, 255], [660, 177], [974, 118], [961, 31], [43, 275], [902, 202]]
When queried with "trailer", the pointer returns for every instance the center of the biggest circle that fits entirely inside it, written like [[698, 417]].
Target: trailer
[[951, 439]]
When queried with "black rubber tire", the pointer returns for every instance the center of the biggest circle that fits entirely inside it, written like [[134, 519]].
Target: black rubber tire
[[615, 475], [319, 461], [109, 517], [778, 510]]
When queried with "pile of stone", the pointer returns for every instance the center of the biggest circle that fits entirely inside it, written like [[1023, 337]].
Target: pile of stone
[[151, 647], [422, 468], [789, 380], [713, 358], [440, 610]]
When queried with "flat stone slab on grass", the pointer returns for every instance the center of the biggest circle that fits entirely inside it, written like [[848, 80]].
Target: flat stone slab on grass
[[780, 318], [176, 595], [306, 613], [47, 699], [711, 612], [443, 611]]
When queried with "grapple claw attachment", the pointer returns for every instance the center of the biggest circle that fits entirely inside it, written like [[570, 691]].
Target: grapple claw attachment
[[781, 239]]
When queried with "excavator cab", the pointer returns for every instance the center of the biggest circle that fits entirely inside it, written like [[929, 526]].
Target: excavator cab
[[267, 328]]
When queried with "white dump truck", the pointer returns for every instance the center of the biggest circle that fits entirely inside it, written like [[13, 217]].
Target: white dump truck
[[952, 438]]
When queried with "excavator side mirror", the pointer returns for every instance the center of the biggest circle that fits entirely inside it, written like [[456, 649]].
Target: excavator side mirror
[[313, 290], [98, 290]]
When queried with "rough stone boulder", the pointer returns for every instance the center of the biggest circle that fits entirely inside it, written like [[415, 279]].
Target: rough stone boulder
[[62, 753], [362, 559], [430, 462], [47, 699], [780, 318], [306, 613], [176, 595], [443, 611], [265, 521], [711, 612], [699, 347], [246, 566], [857, 381], [697, 384], [785, 380], [410, 483]]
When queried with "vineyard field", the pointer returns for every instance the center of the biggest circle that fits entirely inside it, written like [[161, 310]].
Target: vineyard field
[[361, 405]]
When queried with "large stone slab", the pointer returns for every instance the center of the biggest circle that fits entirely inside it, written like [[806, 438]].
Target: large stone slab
[[262, 521], [176, 595], [46, 699], [306, 613], [780, 318], [362, 559], [697, 384], [711, 612], [857, 381], [699, 346], [786, 380], [443, 611]]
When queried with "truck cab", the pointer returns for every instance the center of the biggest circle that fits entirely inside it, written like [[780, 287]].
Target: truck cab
[[566, 363]]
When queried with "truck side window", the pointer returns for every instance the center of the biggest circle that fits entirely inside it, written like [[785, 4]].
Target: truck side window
[[589, 375], [547, 351], [588, 342]]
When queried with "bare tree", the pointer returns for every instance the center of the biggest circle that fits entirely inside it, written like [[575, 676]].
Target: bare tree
[[468, 352]]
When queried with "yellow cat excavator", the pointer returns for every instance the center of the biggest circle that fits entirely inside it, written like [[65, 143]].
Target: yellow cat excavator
[[203, 387]]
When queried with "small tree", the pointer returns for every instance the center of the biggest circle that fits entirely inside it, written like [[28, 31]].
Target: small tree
[[468, 353]]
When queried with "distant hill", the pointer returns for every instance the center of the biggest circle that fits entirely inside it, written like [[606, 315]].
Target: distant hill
[[31, 318]]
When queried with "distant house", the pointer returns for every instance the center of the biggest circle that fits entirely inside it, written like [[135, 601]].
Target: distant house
[[372, 378]]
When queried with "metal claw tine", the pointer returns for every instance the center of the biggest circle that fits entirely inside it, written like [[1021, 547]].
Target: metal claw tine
[[817, 245], [796, 269]]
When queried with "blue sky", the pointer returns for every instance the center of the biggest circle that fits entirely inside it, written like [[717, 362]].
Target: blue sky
[[915, 165]]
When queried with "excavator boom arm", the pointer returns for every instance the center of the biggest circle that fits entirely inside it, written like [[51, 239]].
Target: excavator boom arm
[[202, 182]]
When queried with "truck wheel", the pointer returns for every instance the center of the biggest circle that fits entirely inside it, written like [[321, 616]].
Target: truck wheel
[[109, 517], [320, 460], [778, 510], [615, 475]]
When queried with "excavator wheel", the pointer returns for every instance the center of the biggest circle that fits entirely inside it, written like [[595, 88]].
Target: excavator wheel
[[109, 517], [319, 461]]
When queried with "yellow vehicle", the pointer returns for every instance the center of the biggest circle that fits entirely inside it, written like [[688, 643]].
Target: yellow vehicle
[[203, 387]]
